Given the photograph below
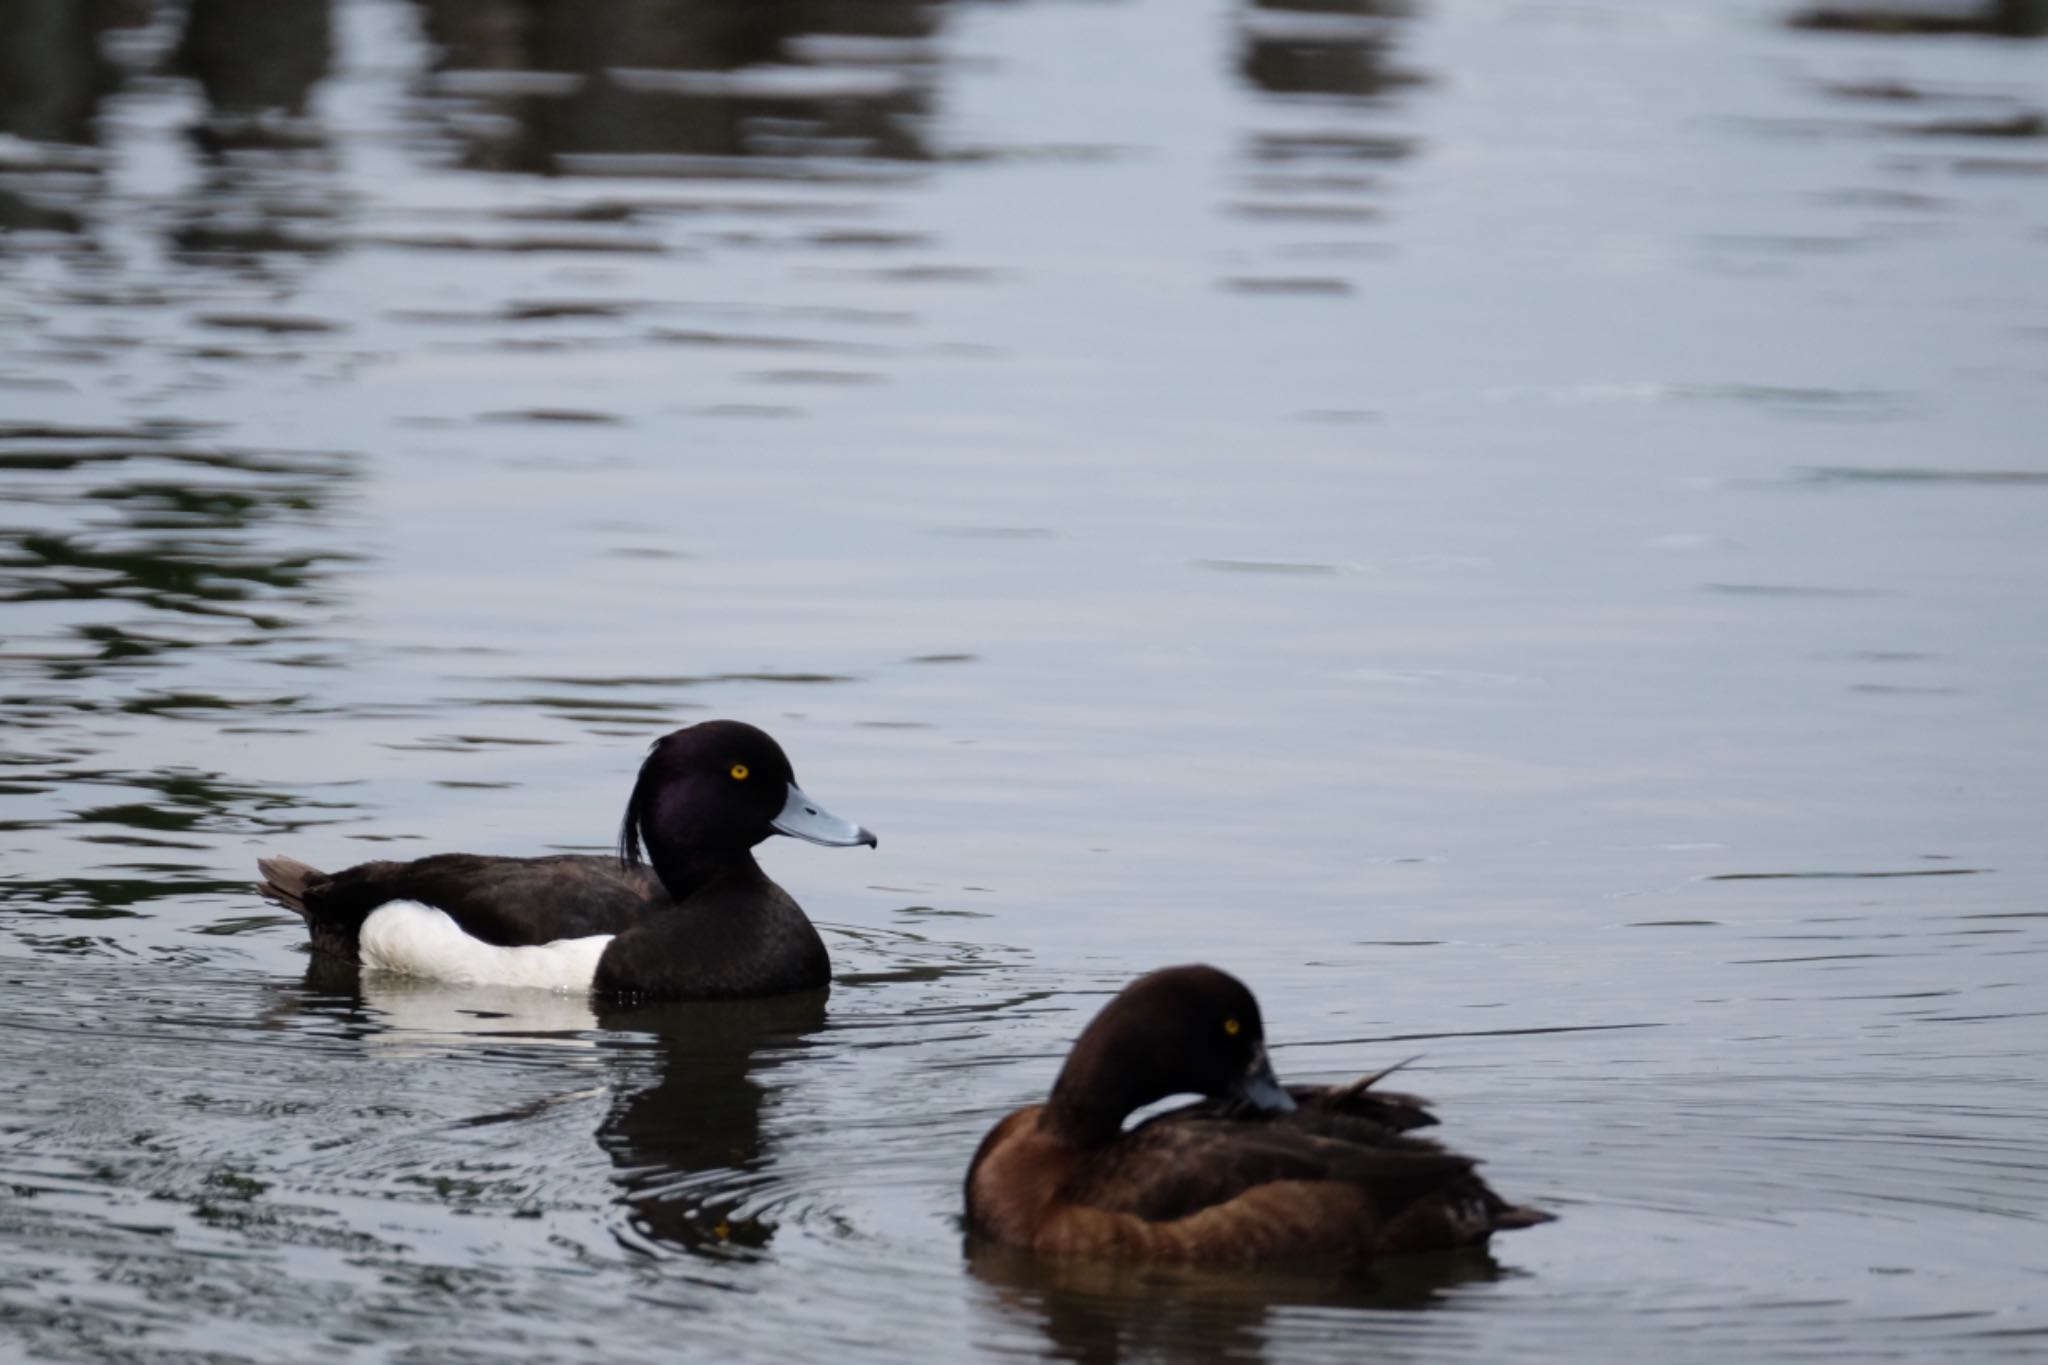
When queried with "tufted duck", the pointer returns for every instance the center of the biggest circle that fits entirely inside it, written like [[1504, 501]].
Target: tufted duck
[[702, 923]]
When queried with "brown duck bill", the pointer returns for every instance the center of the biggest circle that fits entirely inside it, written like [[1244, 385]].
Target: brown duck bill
[[803, 818], [1260, 1088]]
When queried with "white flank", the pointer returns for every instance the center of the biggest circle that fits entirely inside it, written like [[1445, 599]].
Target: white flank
[[418, 940]]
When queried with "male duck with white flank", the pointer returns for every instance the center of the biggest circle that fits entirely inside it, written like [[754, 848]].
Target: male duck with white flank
[[1253, 1174], [704, 923]]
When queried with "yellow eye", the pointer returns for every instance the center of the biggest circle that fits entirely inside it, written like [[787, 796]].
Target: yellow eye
[[1231, 1027], [739, 772]]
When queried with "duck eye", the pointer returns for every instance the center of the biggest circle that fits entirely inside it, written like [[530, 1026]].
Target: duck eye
[[739, 772], [1231, 1027]]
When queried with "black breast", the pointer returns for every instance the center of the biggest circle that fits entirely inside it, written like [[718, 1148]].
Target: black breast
[[741, 935]]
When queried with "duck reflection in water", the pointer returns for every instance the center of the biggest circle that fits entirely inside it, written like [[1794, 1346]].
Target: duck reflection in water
[[1103, 1312], [683, 1123], [689, 1145]]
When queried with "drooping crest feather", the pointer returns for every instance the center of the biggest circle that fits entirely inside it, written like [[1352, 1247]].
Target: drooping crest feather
[[636, 810]]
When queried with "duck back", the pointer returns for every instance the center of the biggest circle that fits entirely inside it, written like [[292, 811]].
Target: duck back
[[503, 902]]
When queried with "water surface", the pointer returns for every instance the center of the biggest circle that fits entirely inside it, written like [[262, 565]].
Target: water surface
[[1512, 526]]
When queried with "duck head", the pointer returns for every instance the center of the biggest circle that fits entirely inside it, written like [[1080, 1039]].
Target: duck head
[[1180, 1030], [709, 792]]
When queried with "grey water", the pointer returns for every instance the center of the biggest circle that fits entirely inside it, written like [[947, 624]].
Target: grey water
[[1518, 527]]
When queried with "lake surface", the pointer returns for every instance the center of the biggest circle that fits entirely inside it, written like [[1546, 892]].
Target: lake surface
[[1518, 528]]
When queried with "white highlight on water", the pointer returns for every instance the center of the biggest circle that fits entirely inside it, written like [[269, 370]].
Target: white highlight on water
[[422, 1018]]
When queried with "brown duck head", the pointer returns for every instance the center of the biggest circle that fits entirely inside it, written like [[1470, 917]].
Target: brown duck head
[[1179, 1030]]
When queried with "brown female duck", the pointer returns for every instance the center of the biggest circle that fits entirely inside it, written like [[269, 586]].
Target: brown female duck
[[1253, 1173]]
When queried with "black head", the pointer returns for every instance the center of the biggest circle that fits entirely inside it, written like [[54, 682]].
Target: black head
[[709, 792], [1181, 1030]]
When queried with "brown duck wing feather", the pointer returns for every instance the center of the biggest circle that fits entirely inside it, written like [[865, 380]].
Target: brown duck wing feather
[[1196, 1187], [1219, 1192], [1287, 1220], [1178, 1165]]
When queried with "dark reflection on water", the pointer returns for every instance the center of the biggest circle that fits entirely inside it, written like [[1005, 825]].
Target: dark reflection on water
[[683, 1123], [681, 78], [1998, 18], [54, 70], [253, 58], [265, 199], [1102, 1313], [1316, 189], [256, 66], [92, 898], [689, 1146], [158, 544], [54, 74], [162, 811], [1322, 47]]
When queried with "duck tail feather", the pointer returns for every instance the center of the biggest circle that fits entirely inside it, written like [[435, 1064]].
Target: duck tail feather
[[285, 881], [1522, 1216]]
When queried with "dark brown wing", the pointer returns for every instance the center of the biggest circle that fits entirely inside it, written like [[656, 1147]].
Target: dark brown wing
[[1381, 1111], [1181, 1163], [1234, 1175], [510, 902]]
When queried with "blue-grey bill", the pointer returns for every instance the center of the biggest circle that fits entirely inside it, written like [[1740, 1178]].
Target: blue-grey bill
[[803, 818], [1261, 1088]]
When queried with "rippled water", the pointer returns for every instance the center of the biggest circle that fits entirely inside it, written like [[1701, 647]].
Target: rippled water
[[1513, 526]]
